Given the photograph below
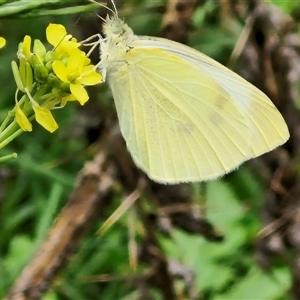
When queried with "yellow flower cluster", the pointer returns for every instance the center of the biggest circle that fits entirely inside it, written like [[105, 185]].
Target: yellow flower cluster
[[49, 79]]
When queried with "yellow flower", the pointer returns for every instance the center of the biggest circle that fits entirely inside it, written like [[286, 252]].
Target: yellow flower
[[2, 42], [49, 79], [77, 75], [62, 42]]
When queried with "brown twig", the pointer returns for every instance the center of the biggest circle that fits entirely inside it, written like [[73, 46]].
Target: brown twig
[[91, 195]]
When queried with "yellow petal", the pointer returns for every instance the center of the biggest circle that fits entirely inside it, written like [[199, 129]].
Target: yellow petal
[[22, 120], [55, 33], [60, 70], [2, 42], [67, 98], [79, 92], [25, 47], [88, 69], [76, 60], [66, 47], [91, 79], [87, 61], [44, 117]]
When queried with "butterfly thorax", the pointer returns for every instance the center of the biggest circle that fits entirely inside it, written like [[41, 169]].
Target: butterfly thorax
[[115, 45]]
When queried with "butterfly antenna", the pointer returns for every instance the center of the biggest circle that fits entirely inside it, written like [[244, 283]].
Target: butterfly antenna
[[114, 7], [59, 42], [102, 5], [101, 18]]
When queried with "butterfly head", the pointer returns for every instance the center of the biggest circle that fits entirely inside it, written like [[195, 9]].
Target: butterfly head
[[114, 27]]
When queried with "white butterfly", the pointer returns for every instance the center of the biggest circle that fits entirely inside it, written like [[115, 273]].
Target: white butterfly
[[184, 116]]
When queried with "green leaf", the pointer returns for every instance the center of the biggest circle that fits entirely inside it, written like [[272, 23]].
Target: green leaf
[[20, 250], [259, 285], [288, 5]]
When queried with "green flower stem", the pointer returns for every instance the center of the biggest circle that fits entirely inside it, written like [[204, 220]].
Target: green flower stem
[[8, 157], [9, 134], [9, 116]]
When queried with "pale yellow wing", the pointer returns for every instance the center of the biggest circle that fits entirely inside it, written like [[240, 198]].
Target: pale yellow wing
[[180, 124], [268, 128]]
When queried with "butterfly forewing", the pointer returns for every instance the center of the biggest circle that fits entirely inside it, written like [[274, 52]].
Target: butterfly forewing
[[265, 122]]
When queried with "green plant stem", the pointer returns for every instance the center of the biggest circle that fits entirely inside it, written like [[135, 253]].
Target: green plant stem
[[9, 134], [6, 121], [8, 157], [10, 114]]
